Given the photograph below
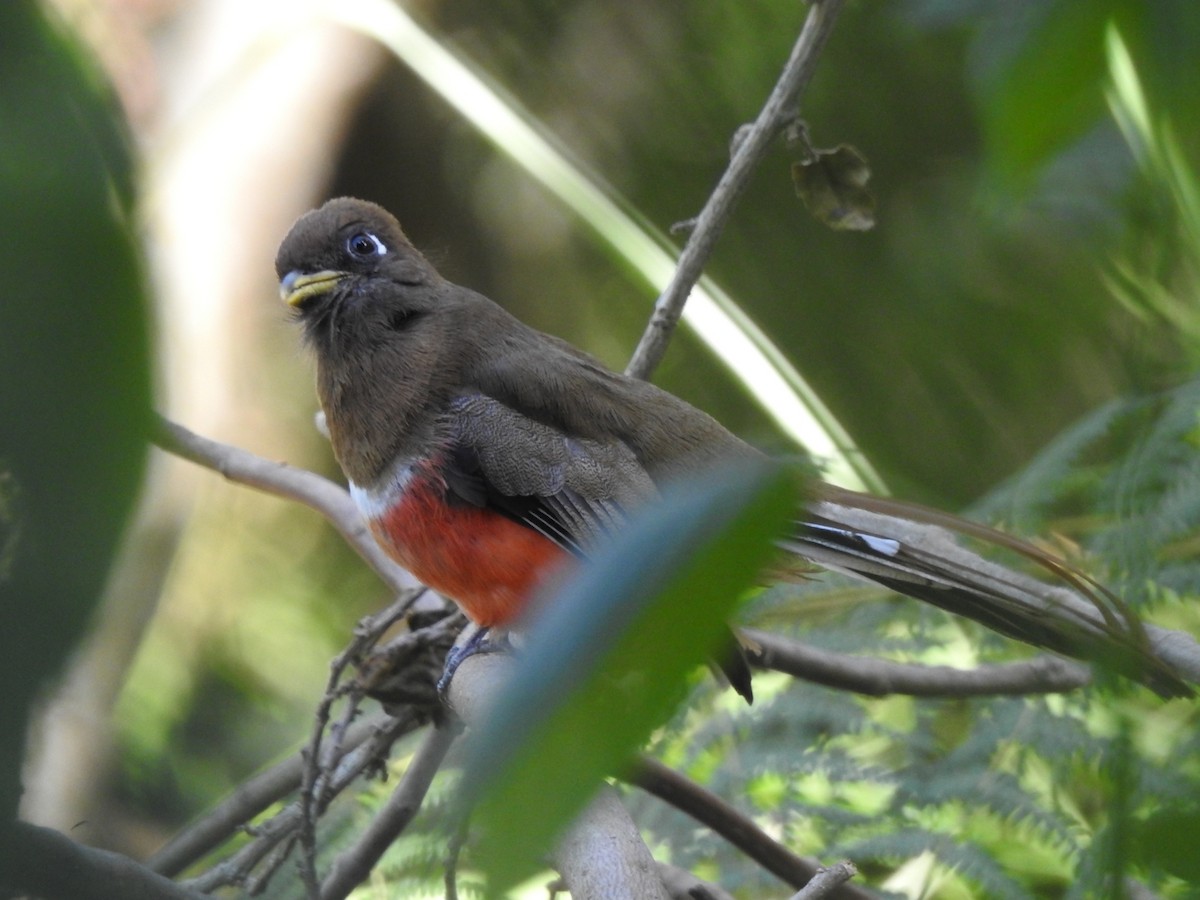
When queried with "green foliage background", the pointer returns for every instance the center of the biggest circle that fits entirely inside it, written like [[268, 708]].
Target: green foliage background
[[1018, 333]]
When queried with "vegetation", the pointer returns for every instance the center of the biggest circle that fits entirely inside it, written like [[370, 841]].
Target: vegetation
[[1018, 335]]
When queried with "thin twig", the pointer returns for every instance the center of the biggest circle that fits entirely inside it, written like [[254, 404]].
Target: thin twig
[[247, 801], [314, 790], [880, 677], [454, 847], [748, 154], [740, 830], [319, 784], [258, 881], [286, 481], [354, 864], [279, 827]]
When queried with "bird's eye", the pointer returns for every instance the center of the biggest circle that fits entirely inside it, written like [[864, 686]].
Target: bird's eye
[[364, 245]]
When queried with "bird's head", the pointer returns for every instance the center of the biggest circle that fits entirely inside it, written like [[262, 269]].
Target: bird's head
[[347, 266]]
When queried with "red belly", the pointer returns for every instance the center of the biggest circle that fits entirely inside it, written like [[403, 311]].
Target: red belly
[[488, 564]]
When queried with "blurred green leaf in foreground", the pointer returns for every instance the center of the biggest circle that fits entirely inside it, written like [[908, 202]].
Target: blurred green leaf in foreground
[[74, 356], [606, 662]]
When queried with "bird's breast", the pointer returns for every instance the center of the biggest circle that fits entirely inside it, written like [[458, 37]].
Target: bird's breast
[[487, 563]]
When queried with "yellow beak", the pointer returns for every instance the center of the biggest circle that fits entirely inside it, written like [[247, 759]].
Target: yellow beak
[[296, 287]]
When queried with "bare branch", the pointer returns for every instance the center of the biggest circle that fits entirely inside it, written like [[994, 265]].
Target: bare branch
[[826, 881], [749, 150], [286, 481], [49, 864], [741, 831], [247, 801], [283, 825], [354, 865], [880, 677], [314, 791], [318, 779]]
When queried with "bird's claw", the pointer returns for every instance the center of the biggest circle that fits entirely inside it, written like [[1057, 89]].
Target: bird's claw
[[477, 643]]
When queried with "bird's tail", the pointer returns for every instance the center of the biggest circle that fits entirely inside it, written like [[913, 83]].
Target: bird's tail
[[912, 550]]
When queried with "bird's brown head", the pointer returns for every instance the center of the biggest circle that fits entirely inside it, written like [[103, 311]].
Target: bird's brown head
[[348, 267], [377, 315]]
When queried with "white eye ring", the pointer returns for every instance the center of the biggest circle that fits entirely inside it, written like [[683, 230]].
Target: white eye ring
[[364, 244]]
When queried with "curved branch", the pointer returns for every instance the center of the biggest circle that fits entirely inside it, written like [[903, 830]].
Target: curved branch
[[741, 831], [880, 677], [49, 864], [287, 481], [749, 150]]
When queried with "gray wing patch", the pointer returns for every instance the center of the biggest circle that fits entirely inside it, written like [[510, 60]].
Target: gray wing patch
[[572, 489]]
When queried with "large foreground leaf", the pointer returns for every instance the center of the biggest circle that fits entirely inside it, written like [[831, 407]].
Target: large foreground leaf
[[74, 358], [606, 660]]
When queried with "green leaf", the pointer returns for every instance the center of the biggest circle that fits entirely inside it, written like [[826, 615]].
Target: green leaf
[[1051, 92], [74, 356], [606, 660], [1166, 840]]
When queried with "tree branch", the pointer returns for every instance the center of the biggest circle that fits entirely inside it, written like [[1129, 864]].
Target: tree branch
[[317, 782], [283, 826], [247, 801], [49, 864], [880, 677], [354, 865], [289, 482], [314, 789], [741, 831], [683, 885], [603, 854], [826, 882], [748, 152]]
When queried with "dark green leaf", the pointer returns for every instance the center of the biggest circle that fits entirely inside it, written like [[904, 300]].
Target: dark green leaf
[[74, 355], [1051, 91], [1167, 840]]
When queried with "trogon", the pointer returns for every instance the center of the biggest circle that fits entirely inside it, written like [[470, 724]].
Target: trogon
[[485, 454]]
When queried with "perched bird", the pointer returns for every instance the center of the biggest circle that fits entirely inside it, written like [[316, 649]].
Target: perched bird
[[485, 454]]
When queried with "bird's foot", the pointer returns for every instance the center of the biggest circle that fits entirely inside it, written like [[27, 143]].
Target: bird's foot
[[479, 642]]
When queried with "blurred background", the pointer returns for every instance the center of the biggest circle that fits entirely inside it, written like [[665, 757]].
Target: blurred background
[[1033, 261]]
